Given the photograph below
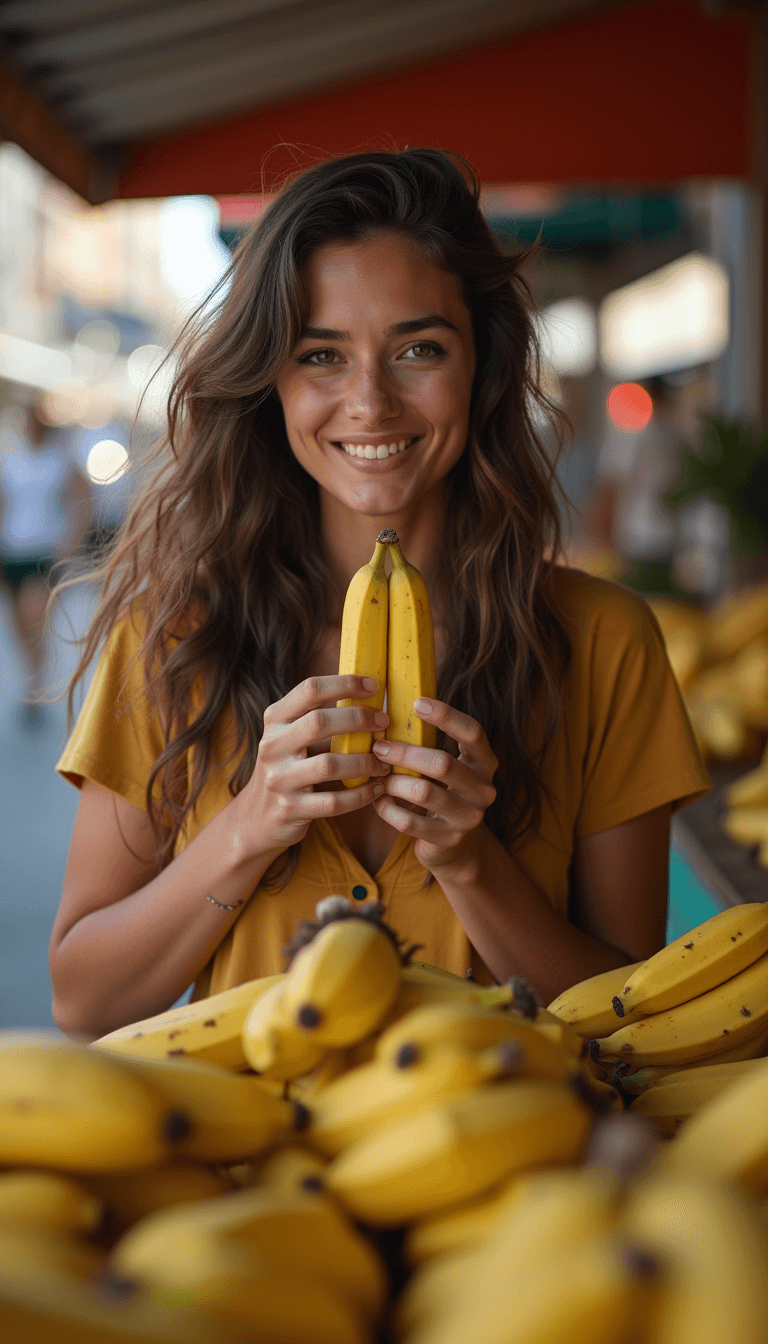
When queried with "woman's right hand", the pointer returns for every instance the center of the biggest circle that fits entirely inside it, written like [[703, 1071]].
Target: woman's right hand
[[279, 801]]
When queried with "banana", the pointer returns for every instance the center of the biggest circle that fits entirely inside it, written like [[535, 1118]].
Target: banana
[[411, 668], [750, 790], [471, 1027], [76, 1109], [461, 1148], [291, 1170], [587, 1006], [131, 1195], [49, 1249], [48, 1199], [747, 826], [232, 1116], [273, 1302], [422, 984], [461, 1227], [377, 1094], [728, 1137], [752, 1047], [731, 1012], [273, 1044], [363, 651], [208, 1029], [538, 1215], [39, 1305], [598, 1290], [737, 620], [700, 960], [303, 1230], [341, 985], [669, 1101], [712, 1241]]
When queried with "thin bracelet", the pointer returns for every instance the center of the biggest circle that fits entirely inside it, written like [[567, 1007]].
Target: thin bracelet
[[223, 907]]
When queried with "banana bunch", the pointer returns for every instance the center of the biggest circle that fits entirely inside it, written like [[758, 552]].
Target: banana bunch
[[702, 998], [386, 633], [720, 659], [339, 988], [618, 1247]]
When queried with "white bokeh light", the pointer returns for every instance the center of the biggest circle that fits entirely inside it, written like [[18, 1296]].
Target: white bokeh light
[[107, 461], [192, 256], [674, 318], [568, 334]]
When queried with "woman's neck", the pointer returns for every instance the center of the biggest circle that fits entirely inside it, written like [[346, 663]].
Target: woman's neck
[[349, 538]]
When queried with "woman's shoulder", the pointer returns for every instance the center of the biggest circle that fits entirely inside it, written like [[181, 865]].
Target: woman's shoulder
[[590, 604]]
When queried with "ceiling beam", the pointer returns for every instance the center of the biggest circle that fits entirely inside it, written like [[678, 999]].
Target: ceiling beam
[[29, 123]]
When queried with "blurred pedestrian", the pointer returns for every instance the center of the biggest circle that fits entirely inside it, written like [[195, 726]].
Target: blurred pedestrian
[[45, 510]]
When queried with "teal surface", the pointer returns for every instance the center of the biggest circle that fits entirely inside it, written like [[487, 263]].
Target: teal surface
[[690, 903]]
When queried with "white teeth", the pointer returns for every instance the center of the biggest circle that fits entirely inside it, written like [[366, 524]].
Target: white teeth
[[375, 452]]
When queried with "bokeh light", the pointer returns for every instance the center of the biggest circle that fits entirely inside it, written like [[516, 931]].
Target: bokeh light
[[629, 406], [107, 461]]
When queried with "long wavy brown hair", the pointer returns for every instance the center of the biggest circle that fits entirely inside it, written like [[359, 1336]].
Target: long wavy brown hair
[[222, 549]]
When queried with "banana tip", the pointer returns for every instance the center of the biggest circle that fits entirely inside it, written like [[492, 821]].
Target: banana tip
[[618, 1006]]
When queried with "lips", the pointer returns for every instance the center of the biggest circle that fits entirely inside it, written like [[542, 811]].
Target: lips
[[375, 450]]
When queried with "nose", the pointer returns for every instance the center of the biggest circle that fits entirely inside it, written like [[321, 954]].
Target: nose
[[371, 396]]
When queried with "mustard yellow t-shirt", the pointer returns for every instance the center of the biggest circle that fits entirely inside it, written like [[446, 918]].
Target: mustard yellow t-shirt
[[625, 747]]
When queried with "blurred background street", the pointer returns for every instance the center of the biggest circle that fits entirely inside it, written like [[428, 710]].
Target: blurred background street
[[627, 141]]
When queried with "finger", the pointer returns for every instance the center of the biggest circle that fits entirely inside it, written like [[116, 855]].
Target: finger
[[441, 804], [431, 829], [335, 802], [314, 692], [322, 723], [308, 771], [463, 729], [471, 782]]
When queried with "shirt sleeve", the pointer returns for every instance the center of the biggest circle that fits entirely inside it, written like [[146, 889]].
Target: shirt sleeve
[[117, 737], [640, 748]]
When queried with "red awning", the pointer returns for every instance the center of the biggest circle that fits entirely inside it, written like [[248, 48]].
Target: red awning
[[654, 93]]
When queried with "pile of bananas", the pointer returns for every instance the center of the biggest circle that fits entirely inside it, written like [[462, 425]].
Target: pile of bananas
[[154, 1187], [367, 1149], [720, 659], [673, 1031]]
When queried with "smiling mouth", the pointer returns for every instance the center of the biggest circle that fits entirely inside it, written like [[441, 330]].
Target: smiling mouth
[[380, 451]]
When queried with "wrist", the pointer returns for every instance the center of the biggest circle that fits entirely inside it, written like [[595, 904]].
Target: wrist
[[462, 866]]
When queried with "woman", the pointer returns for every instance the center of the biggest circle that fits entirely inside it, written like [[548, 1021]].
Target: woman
[[369, 309]]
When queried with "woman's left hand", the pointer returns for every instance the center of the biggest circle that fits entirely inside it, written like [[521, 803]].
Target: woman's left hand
[[455, 792]]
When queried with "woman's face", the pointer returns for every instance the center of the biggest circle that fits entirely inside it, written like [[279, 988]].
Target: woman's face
[[376, 393]]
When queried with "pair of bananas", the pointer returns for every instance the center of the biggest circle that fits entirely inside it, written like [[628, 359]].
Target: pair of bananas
[[703, 996], [386, 633]]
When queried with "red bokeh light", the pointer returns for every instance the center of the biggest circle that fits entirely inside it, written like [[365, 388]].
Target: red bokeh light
[[629, 406]]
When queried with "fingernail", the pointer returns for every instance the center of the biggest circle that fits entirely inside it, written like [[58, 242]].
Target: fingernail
[[370, 684], [423, 706], [381, 748], [381, 720], [378, 789]]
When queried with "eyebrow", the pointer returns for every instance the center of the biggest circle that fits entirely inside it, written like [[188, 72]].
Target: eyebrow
[[409, 328]]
